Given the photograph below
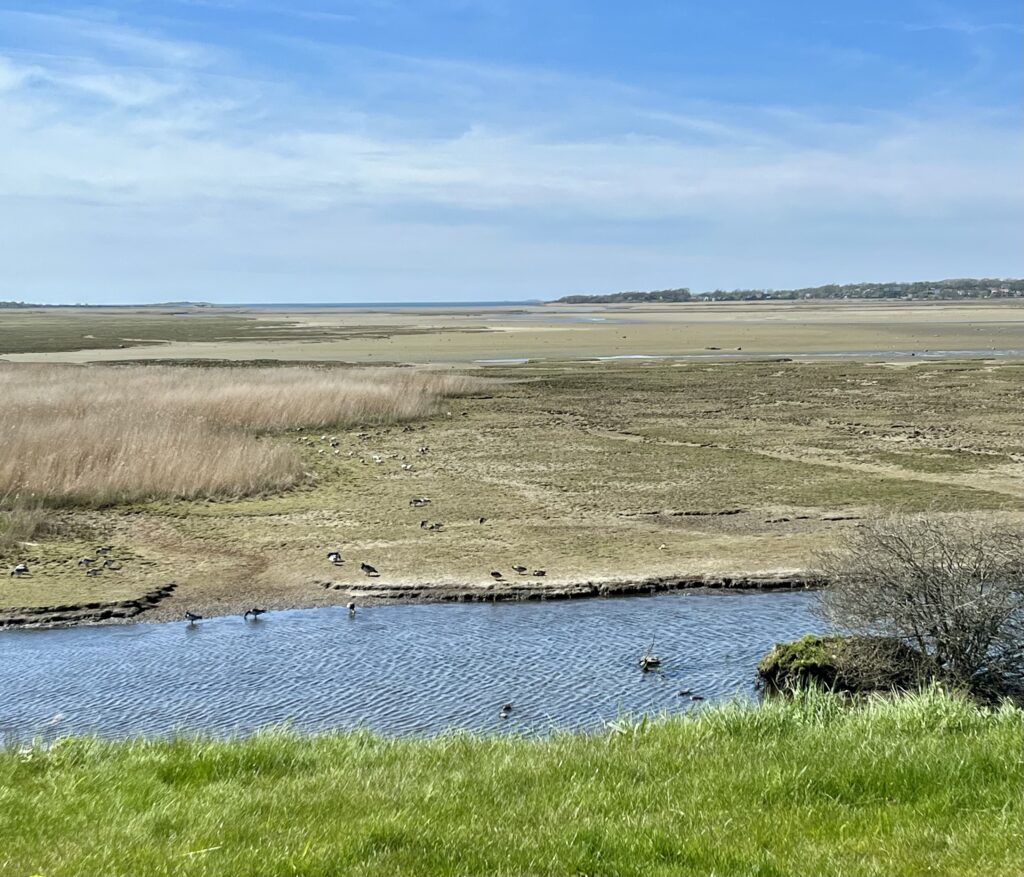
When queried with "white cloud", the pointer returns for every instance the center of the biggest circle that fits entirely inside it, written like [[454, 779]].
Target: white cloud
[[167, 162]]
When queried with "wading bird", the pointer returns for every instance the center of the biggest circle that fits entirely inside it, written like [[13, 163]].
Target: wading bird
[[505, 711], [351, 609], [192, 617], [254, 612], [369, 570]]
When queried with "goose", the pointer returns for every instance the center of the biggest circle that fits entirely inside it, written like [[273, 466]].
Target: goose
[[496, 575], [351, 609], [192, 617], [93, 571], [20, 569], [483, 520], [505, 711], [110, 563], [334, 557], [520, 569], [254, 612], [423, 525], [540, 572], [369, 570], [104, 549], [86, 561]]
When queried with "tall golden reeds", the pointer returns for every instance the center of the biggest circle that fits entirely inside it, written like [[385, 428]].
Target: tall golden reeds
[[99, 435]]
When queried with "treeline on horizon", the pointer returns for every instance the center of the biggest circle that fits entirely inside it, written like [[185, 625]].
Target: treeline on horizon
[[922, 289]]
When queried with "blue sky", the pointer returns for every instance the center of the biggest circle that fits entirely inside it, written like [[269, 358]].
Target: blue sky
[[384, 150]]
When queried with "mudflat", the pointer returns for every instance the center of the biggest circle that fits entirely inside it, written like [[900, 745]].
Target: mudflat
[[598, 473]]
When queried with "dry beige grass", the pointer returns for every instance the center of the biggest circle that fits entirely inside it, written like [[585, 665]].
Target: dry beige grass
[[100, 435]]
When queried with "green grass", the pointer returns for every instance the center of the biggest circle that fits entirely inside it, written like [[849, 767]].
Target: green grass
[[923, 785]]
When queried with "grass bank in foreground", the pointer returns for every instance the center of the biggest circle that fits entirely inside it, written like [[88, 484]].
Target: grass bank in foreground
[[923, 785]]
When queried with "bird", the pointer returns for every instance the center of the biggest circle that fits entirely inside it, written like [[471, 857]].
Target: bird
[[110, 563], [351, 609], [254, 612], [483, 520], [92, 571], [20, 569], [104, 549], [86, 561], [495, 574], [423, 525], [519, 568], [369, 570], [192, 617], [505, 711], [334, 557], [540, 572]]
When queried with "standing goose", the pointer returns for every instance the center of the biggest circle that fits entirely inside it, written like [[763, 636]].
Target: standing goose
[[519, 568], [495, 574], [254, 612], [369, 570], [351, 610], [192, 617]]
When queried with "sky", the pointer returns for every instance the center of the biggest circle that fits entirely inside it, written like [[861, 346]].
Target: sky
[[470, 150]]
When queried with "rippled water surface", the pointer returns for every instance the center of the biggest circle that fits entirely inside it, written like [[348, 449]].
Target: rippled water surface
[[397, 669]]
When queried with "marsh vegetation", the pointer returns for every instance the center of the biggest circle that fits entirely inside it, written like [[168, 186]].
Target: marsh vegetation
[[95, 436]]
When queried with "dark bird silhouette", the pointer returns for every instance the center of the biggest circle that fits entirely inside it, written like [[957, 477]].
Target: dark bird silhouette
[[92, 571], [192, 617], [110, 563], [483, 520], [86, 561], [423, 525], [20, 569], [254, 612], [520, 569], [334, 556], [369, 570], [495, 574], [351, 609], [540, 572], [104, 549], [505, 711]]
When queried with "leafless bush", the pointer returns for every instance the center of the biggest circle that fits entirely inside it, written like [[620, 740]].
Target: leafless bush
[[952, 588], [101, 434]]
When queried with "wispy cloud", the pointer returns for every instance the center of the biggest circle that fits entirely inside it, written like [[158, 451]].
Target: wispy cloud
[[169, 148]]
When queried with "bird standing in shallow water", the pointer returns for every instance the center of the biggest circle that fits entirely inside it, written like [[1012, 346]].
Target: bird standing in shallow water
[[351, 610], [254, 612], [192, 617]]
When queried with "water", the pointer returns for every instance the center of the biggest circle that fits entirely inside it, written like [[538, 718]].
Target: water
[[411, 669]]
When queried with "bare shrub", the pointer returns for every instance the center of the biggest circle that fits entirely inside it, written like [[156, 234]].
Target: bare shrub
[[100, 434], [952, 588]]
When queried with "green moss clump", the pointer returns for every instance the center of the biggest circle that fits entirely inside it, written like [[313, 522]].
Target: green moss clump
[[845, 663]]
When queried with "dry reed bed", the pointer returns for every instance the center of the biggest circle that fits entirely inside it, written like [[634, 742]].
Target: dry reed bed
[[101, 435]]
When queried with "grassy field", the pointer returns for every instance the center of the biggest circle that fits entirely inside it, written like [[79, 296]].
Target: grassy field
[[922, 785], [588, 470]]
